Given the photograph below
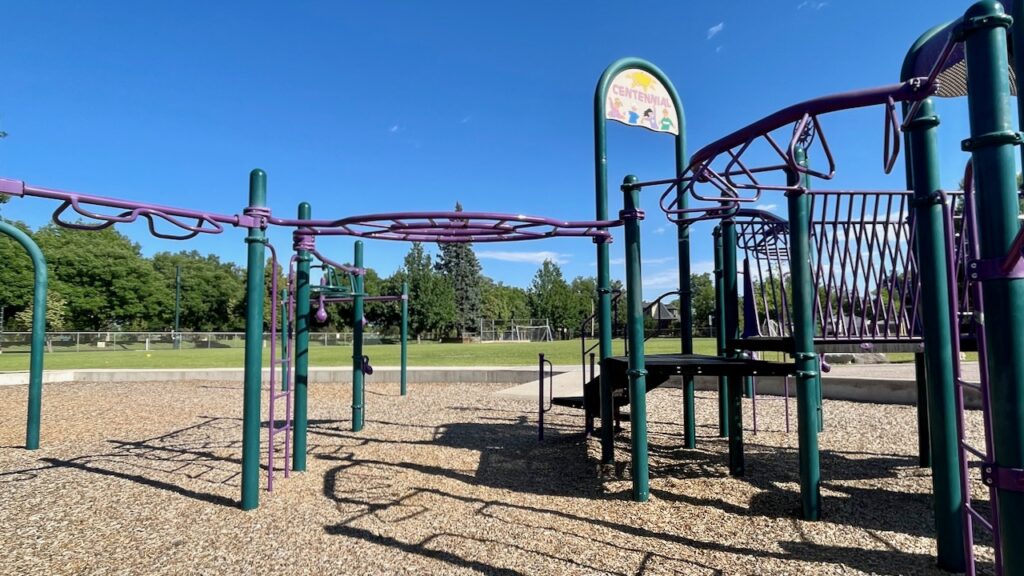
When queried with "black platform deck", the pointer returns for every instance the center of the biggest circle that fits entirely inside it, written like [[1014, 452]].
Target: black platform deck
[[698, 365], [660, 367]]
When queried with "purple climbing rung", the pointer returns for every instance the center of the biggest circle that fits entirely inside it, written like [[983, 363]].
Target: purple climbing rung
[[277, 429], [979, 517], [971, 385], [974, 451], [281, 395]]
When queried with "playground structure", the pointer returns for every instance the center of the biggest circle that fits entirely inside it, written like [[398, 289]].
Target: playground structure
[[847, 270], [182, 224]]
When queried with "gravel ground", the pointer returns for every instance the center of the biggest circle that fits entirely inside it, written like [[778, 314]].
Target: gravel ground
[[143, 479]]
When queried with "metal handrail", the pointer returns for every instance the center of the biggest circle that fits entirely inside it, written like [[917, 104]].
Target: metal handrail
[[541, 408]]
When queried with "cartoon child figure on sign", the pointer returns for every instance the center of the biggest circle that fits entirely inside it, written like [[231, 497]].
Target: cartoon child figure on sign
[[633, 115], [615, 109], [666, 122], [650, 120]]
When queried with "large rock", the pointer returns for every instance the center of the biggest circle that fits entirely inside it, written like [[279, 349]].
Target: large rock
[[861, 358]]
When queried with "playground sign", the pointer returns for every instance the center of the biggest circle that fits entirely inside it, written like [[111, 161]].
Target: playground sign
[[637, 98]]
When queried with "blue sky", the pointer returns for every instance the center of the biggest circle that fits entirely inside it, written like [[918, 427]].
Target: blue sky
[[362, 107]]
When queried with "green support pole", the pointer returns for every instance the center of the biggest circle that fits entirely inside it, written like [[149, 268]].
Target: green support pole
[[730, 327], [924, 450], [300, 418], [721, 337], [254, 293], [806, 359], [177, 307], [358, 393], [635, 329], [991, 146], [934, 314], [35, 363], [604, 306], [405, 336]]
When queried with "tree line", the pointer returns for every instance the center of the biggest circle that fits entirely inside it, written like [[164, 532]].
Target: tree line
[[100, 281]]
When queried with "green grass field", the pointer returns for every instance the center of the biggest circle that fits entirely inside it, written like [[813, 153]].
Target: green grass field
[[424, 354]]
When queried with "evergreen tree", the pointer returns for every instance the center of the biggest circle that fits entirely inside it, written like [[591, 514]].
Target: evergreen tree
[[459, 265]]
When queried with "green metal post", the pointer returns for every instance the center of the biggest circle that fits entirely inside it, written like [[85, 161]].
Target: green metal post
[[358, 393], [405, 336], [35, 363], [177, 307], [924, 449], [604, 306], [806, 359], [991, 146], [721, 335], [730, 328], [934, 314], [300, 418], [635, 329], [254, 293]]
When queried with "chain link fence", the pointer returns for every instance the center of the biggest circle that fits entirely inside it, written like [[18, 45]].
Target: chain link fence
[[122, 341]]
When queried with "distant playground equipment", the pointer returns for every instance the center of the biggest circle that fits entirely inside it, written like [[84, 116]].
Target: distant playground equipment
[[181, 224], [523, 330]]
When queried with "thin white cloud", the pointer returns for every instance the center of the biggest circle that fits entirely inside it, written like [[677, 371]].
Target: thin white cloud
[[394, 128], [668, 279], [466, 119], [537, 257], [715, 30], [811, 4], [766, 206], [659, 230], [718, 49]]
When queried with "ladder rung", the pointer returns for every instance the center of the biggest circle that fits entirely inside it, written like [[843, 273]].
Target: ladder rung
[[976, 452], [971, 385], [978, 516], [275, 429]]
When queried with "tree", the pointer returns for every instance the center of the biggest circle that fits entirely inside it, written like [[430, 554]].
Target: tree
[[582, 301], [212, 292], [431, 297], [105, 280], [56, 317], [15, 274], [503, 302], [702, 290], [459, 265], [550, 296]]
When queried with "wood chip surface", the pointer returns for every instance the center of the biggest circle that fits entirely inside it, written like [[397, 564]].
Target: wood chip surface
[[143, 478]]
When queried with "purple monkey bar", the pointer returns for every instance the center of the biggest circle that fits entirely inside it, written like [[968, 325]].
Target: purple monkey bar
[[201, 222], [452, 227]]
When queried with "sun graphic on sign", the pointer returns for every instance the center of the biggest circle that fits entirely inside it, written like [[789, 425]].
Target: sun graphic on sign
[[641, 79]]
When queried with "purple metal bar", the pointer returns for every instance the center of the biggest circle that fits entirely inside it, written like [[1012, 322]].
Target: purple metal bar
[[452, 227], [343, 267], [968, 252], [203, 222], [398, 298], [805, 118]]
